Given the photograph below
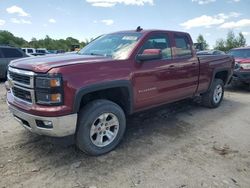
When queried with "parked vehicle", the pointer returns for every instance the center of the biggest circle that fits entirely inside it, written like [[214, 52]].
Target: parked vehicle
[[75, 47], [37, 54], [60, 51], [52, 51], [7, 54], [29, 51], [89, 94], [211, 52], [42, 51], [241, 73]]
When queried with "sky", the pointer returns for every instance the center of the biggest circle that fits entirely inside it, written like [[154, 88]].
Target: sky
[[85, 19]]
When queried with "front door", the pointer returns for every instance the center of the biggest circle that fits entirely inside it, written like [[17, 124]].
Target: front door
[[169, 79]]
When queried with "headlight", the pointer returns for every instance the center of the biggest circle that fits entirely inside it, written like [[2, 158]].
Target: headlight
[[45, 82], [49, 90], [48, 98]]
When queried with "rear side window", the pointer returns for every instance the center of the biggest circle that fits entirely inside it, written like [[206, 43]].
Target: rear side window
[[11, 53], [183, 47], [159, 42]]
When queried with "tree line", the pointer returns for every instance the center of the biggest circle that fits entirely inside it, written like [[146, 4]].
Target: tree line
[[7, 38], [225, 45]]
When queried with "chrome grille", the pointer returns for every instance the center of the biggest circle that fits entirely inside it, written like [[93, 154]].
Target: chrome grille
[[22, 84], [22, 94], [19, 78]]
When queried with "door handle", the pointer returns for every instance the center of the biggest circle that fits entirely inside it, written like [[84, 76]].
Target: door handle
[[171, 66]]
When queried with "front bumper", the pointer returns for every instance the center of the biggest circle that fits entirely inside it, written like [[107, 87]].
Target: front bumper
[[60, 126], [241, 76]]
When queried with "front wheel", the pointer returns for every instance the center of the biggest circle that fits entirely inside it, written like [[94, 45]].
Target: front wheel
[[214, 96], [101, 126]]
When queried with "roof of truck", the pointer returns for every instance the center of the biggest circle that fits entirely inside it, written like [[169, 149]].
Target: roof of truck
[[149, 31]]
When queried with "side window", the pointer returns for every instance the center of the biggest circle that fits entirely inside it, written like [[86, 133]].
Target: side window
[[30, 51], [159, 42], [183, 47], [11, 53]]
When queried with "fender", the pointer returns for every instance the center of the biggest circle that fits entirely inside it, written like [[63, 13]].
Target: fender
[[101, 86], [229, 74]]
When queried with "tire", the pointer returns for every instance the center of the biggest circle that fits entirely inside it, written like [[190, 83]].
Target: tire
[[93, 135], [209, 98]]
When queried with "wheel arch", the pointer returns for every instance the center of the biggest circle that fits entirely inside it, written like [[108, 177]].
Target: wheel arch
[[221, 73], [106, 90]]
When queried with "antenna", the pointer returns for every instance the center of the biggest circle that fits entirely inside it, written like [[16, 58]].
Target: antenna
[[138, 29]]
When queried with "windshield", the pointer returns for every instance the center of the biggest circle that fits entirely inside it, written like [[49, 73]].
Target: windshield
[[244, 53], [117, 46]]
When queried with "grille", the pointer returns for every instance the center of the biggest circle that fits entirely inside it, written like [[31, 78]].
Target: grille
[[22, 94], [20, 78]]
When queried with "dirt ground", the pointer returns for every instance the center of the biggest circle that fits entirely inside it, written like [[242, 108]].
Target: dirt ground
[[181, 145]]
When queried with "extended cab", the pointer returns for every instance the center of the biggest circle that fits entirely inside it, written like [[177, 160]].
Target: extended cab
[[90, 93]]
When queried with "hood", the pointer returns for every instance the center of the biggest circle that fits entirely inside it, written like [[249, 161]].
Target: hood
[[242, 60], [43, 64]]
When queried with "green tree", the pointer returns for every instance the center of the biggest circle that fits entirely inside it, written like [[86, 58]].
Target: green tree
[[8, 38], [241, 40], [230, 42], [201, 39], [33, 43], [220, 45]]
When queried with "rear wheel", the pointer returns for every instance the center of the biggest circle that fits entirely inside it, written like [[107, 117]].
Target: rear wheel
[[214, 96], [101, 126]]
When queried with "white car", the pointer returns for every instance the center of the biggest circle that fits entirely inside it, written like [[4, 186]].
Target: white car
[[29, 51]]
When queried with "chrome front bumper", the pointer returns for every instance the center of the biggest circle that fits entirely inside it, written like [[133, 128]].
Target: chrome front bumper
[[60, 126]]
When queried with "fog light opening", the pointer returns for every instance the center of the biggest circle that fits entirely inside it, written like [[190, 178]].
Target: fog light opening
[[44, 124]]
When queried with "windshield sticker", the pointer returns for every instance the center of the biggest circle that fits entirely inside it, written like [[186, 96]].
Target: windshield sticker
[[130, 38]]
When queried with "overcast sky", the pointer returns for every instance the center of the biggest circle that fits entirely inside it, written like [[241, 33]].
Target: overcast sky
[[89, 18]]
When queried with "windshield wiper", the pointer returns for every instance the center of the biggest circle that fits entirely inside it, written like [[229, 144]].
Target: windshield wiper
[[92, 54]]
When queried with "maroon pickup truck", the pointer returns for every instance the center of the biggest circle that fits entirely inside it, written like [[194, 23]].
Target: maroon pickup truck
[[89, 94]]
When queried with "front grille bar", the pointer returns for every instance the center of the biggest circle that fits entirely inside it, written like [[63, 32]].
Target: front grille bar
[[22, 82], [17, 75]]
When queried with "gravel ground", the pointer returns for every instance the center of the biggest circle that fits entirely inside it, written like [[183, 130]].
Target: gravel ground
[[180, 145]]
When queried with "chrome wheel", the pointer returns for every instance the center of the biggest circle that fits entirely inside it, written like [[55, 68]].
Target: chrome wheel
[[218, 92], [104, 129]]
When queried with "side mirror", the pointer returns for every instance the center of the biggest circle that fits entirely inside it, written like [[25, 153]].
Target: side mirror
[[149, 54]]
